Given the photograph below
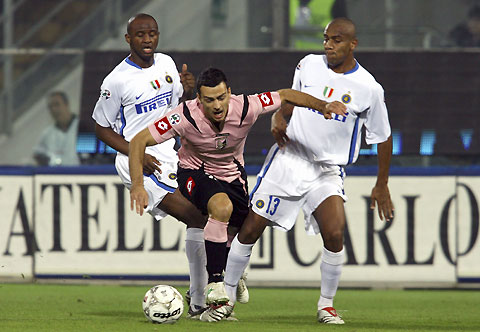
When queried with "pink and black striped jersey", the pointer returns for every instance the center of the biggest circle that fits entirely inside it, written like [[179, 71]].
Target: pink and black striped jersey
[[219, 152]]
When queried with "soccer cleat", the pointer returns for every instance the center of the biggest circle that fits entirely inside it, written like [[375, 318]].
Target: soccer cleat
[[188, 298], [216, 294], [195, 312], [231, 317], [242, 290], [328, 315], [215, 313]]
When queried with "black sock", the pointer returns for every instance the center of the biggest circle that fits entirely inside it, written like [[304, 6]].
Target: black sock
[[216, 258]]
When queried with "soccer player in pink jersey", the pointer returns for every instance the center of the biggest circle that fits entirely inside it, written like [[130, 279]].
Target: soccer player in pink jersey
[[213, 129]]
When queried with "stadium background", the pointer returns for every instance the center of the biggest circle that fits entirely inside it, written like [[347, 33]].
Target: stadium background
[[74, 223]]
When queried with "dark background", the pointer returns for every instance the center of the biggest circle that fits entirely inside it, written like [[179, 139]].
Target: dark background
[[424, 90]]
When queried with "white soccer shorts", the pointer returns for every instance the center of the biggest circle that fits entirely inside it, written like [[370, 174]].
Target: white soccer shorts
[[157, 185], [287, 183]]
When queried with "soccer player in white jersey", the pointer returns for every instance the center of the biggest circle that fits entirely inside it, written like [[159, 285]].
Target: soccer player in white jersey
[[305, 170], [143, 87], [213, 129]]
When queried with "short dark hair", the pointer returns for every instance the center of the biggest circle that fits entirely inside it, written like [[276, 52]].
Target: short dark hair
[[211, 77], [61, 94], [138, 16]]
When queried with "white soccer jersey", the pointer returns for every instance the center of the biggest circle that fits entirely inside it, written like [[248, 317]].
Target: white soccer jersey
[[132, 97], [336, 141]]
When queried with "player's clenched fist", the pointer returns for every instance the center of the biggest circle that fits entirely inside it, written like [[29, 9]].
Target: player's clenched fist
[[279, 129], [138, 198], [187, 79], [334, 107]]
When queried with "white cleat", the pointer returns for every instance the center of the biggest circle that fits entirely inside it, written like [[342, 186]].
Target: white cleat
[[215, 294], [329, 315], [216, 313], [242, 290]]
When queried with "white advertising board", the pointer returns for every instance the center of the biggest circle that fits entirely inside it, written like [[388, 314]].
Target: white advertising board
[[16, 227], [82, 227], [406, 250]]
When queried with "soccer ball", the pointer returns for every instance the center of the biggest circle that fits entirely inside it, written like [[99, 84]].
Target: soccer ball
[[163, 304]]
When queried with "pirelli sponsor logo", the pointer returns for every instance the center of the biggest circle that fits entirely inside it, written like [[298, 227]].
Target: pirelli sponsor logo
[[155, 103]]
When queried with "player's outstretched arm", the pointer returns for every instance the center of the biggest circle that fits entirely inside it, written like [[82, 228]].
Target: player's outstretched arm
[[302, 99], [380, 193], [136, 154], [117, 142]]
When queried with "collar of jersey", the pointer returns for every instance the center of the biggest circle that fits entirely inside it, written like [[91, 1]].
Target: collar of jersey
[[354, 69], [351, 71], [207, 121], [131, 63]]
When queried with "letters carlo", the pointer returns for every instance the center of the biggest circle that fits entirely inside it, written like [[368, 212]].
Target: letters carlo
[[20, 220]]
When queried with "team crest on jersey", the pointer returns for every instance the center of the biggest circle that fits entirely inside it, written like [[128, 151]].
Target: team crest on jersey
[[174, 119], [172, 176], [327, 92], [155, 84], [260, 204], [105, 94], [346, 98], [221, 141], [168, 78], [162, 125]]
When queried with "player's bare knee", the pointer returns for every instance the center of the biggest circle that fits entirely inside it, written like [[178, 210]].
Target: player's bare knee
[[252, 229], [195, 219], [333, 240], [220, 207], [245, 236]]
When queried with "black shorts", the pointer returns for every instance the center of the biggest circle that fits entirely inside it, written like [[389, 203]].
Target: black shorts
[[198, 187]]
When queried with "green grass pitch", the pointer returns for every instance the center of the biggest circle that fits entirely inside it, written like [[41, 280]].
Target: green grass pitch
[[41, 307]]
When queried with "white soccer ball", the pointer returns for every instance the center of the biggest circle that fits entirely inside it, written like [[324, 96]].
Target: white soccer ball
[[163, 304]]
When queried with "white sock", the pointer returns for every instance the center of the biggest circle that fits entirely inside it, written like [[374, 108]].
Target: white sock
[[237, 261], [331, 269], [197, 261]]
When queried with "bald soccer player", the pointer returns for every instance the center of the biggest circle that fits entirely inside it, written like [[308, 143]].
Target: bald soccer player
[[316, 151]]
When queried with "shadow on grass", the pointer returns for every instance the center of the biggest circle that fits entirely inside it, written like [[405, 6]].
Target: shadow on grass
[[281, 319], [409, 326], [117, 313], [302, 320]]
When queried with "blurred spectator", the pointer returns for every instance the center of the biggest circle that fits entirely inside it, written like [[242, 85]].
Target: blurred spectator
[[467, 34], [58, 143], [308, 18], [303, 15]]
